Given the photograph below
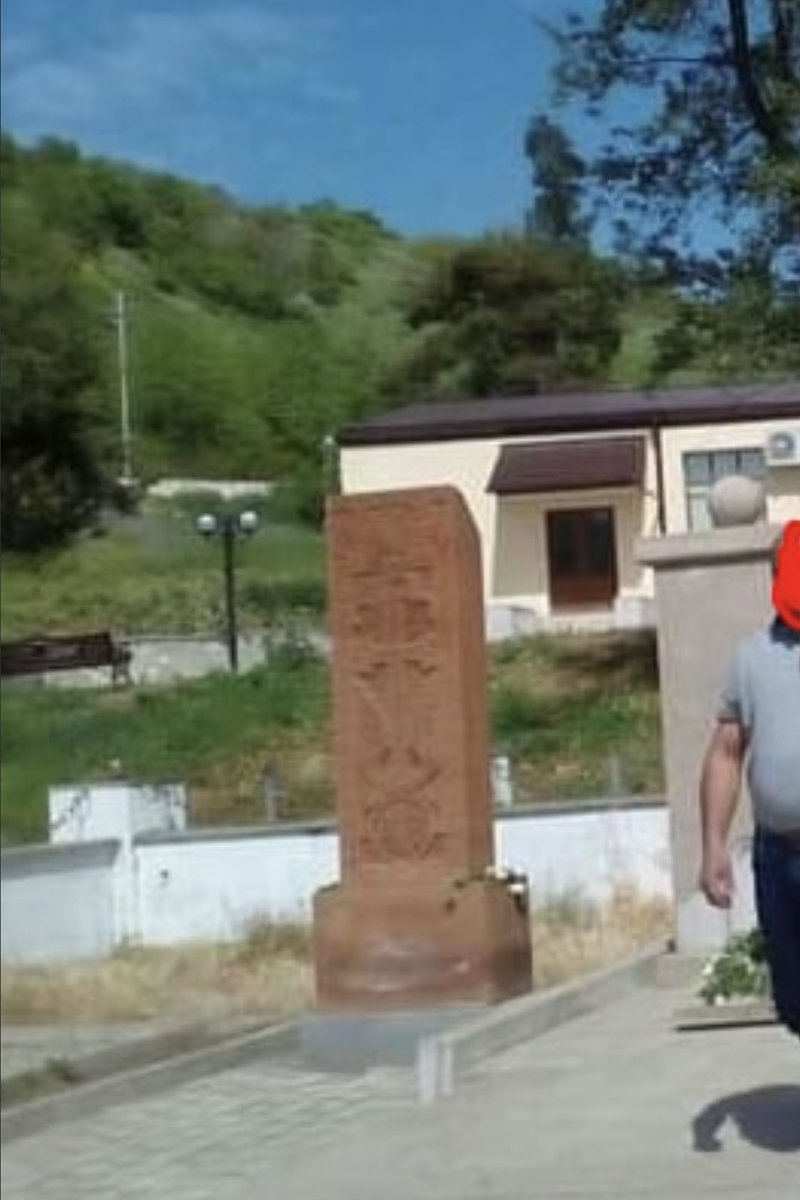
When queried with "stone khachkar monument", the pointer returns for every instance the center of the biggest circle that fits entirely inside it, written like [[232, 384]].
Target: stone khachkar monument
[[415, 922]]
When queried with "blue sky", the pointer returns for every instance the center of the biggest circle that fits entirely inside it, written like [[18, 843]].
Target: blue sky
[[415, 109]]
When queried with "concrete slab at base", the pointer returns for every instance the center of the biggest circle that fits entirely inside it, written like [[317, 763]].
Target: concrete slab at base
[[677, 970], [725, 1016], [354, 1042]]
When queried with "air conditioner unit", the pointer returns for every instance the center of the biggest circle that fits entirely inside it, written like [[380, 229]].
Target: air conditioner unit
[[783, 448]]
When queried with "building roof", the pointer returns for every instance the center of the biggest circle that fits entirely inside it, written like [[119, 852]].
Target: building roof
[[575, 412], [561, 466]]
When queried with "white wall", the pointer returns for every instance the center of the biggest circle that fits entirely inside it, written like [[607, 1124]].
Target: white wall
[[64, 901], [157, 659], [783, 495], [228, 489], [588, 851], [467, 464], [210, 886], [519, 573], [120, 810], [782, 486], [58, 902]]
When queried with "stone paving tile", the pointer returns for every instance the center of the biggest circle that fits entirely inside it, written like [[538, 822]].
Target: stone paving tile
[[601, 1108], [225, 1135]]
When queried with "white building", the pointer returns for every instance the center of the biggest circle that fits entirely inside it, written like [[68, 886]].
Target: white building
[[561, 486]]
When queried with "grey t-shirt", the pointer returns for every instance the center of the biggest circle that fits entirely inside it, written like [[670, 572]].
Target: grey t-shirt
[[762, 692]]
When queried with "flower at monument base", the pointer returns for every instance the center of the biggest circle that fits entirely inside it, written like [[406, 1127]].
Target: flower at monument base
[[502, 874], [515, 883]]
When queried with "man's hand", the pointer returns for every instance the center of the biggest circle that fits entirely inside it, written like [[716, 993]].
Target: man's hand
[[719, 790], [716, 876]]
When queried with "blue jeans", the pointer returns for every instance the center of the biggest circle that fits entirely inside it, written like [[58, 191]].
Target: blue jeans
[[776, 865]]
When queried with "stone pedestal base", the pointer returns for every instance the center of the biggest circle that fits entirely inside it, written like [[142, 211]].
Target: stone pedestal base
[[419, 944], [351, 1042]]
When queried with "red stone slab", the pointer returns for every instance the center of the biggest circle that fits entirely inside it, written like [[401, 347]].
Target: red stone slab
[[412, 763]]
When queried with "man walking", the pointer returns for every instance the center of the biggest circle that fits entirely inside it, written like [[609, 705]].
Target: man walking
[[758, 723]]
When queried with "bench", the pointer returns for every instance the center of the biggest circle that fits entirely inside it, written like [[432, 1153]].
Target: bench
[[36, 656]]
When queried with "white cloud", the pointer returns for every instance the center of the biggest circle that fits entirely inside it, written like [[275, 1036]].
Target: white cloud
[[148, 63]]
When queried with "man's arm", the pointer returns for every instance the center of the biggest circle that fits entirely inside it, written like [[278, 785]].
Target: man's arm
[[719, 792]]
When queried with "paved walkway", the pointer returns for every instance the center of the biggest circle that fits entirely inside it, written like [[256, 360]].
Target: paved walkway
[[615, 1105], [33, 1047]]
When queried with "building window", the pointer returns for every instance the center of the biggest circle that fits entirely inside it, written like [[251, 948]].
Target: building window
[[702, 469]]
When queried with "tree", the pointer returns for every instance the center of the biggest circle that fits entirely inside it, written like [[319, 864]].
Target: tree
[[558, 173], [52, 481], [510, 314], [755, 331], [719, 127]]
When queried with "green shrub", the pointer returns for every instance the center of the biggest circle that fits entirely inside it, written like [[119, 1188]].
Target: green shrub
[[301, 499], [289, 647], [739, 970], [276, 598], [515, 714]]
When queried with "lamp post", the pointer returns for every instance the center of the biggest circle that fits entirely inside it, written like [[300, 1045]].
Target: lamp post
[[229, 526]]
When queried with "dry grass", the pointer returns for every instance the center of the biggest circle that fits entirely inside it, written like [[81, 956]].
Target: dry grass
[[232, 791], [572, 938], [269, 973]]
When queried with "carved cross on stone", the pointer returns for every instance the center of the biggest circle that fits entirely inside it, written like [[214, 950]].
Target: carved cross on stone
[[409, 684]]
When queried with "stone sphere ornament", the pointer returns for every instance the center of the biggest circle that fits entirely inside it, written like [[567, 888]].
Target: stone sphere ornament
[[736, 500]]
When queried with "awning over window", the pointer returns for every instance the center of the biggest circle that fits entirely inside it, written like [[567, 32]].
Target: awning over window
[[568, 465]]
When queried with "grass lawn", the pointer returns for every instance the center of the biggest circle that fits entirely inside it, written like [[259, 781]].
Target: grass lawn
[[153, 573], [218, 734], [561, 709], [578, 715]]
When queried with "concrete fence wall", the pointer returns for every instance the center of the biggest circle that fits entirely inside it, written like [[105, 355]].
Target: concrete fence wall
[[59, 902], [210, 886], [165, 888]]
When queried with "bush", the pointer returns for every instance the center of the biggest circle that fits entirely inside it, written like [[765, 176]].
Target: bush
[[281, 597], [740, 970], [515, 713], [289, 648], [302, 500]]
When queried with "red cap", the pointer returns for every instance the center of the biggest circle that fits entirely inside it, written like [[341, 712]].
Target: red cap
[[786, 585]]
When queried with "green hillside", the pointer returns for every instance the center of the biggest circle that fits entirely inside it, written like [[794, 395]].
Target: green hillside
[[252, 333]]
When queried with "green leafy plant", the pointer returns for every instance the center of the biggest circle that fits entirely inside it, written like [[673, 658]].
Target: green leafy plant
[[739, 970]]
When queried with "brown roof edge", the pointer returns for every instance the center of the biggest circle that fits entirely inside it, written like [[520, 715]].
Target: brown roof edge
[[506, 416], [522, 469]]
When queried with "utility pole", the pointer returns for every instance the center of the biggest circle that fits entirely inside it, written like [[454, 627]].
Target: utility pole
[[124, 402]]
